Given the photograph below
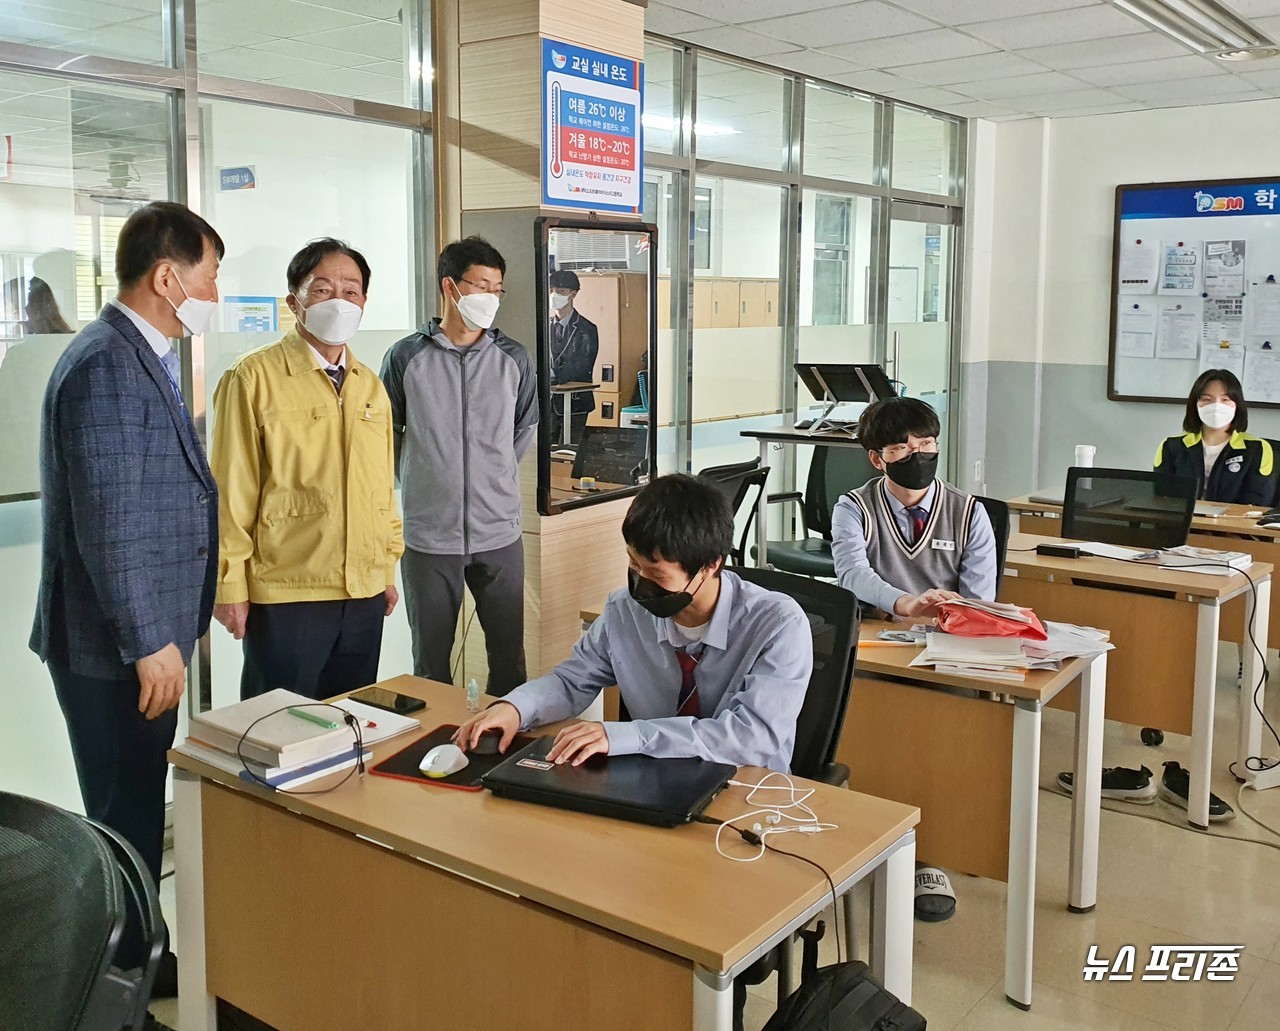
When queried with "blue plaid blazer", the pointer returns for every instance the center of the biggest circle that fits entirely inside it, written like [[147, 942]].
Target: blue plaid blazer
[[129, 509]]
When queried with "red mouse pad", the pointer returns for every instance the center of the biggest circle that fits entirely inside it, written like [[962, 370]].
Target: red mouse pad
[[404, 764]]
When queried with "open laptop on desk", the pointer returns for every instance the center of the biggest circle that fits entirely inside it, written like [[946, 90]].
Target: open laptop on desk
[[639, 788]]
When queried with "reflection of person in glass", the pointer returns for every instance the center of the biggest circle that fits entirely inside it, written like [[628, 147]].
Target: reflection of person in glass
[[33, 334], [575, 342]]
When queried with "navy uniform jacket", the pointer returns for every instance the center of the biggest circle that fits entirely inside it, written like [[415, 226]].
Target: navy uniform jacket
[[574, 361], [1244, 473], [129, 553]]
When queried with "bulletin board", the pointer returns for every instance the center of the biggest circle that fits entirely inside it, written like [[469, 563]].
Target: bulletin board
[[1195, 285]]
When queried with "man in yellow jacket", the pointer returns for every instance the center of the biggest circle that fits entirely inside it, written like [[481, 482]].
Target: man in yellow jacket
[[303, 455]]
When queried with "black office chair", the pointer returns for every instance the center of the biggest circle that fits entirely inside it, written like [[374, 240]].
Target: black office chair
[[833, 619], [64, 884], [737, 481], [1128, 507], [833, 472], [998, 513]]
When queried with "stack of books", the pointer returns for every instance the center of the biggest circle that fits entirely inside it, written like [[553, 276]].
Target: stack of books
[[1205, 560], [284, 739]]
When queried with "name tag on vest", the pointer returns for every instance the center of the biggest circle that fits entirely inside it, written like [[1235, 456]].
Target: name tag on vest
[[944, 545]]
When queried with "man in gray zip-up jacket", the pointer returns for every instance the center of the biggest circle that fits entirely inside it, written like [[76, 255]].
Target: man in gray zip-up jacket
[[464, 407]]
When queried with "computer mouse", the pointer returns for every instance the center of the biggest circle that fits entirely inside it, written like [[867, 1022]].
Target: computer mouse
[[1270, 520], [488, 743], [442, 761]]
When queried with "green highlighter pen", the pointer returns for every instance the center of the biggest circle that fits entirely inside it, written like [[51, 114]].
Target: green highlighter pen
[[311, 717]]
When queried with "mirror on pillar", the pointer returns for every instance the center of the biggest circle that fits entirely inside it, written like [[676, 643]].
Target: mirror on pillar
[[596, 355]]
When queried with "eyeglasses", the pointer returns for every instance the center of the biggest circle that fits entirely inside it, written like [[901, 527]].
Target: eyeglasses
[[897, 452], [497, 291]]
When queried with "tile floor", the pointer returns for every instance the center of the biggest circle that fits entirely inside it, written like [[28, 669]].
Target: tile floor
[[1159, 883]]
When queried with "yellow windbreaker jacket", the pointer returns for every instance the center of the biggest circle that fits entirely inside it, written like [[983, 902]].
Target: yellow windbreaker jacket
[[306, 508]]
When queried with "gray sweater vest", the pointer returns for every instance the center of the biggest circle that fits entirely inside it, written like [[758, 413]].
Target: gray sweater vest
[[934, 560]]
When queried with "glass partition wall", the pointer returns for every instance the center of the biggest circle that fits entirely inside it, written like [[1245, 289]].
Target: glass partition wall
[[278, 120], [800, 220]]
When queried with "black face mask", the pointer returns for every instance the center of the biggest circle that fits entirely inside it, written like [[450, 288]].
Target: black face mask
[[915, 472], [657, 599]]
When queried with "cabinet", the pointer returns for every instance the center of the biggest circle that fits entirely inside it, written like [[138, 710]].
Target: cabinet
[[618, 303], [734, 303], [725, 296]]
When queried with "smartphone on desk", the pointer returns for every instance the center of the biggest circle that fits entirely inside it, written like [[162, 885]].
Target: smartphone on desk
[[392, 701]]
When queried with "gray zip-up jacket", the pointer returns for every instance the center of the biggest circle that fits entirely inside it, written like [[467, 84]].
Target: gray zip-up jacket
[[463, 420]]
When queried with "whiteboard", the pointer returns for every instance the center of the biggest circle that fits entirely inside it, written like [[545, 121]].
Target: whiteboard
[[1195, 285]]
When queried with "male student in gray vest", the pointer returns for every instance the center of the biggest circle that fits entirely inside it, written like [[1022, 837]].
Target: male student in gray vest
[[906, 541], [464, 410]]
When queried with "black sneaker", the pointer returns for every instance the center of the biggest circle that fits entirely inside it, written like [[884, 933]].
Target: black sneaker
[[1121, 783], [1175, 785]]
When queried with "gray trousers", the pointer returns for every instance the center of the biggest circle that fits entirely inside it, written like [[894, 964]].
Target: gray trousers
[[433, 597]]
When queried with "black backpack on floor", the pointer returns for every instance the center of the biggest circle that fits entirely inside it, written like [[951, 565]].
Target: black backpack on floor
[[844, 997]]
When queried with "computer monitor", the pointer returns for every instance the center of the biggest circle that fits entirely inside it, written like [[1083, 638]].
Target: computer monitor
[[612, 454], [1133, 508], [832, 384]]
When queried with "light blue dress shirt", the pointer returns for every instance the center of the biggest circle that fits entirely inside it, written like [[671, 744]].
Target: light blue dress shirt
[[752, 675], [977, 578]]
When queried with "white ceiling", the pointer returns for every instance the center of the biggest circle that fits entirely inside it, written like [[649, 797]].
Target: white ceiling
[[998, 59]]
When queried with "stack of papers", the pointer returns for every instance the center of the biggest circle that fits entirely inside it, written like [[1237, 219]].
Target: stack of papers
[[260, 739], [1067, 641], [985, 658], [1205, 560]]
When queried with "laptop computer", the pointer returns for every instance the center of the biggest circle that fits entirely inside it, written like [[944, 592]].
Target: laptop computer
[[639, 788]]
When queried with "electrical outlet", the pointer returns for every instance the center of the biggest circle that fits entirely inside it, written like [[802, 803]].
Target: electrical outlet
[[977, 470]]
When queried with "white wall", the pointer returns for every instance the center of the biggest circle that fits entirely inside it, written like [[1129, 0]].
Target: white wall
[[1038, 274]]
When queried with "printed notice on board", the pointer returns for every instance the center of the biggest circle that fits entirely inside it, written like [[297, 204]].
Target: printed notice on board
[[1224, 268], [1178, 333], [1214, 356], [1180, 269], [1138, 328], [1264, 315], [1224, 322], [1139, 266], [1262, 376]]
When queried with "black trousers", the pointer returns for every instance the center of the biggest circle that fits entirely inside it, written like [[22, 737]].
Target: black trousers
[[317, 648], [577, 427], [121, 765], [433, 597]]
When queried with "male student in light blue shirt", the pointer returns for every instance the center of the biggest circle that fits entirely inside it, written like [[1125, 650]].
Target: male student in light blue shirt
[[707, 664]]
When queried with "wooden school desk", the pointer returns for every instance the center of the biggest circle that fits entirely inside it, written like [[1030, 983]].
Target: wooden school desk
[[391, 904], [1164, 624], [1232, 531], [972, 764]]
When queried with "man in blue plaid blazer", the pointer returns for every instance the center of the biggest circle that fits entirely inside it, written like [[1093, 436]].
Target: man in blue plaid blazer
[[129, 510]]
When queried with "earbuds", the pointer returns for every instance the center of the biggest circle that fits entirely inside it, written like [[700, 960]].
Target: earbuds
[[794, 809]]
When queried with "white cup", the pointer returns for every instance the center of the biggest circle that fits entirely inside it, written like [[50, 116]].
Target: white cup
[[1085, 454]]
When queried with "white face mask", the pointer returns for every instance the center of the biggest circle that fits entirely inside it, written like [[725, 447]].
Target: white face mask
[[559, 302], [1219, 415], [478, 310], [194, 314], [334, 321]]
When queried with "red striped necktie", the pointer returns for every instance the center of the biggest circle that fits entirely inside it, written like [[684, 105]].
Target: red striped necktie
[[918, 518], [689, 704]]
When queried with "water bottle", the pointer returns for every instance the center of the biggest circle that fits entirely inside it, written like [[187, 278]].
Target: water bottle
[[473, 695]]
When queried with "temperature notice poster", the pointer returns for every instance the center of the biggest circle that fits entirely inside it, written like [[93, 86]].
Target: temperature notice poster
[[593, 154]]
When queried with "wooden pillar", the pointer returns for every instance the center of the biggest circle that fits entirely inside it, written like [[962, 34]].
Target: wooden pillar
[[488, 160]]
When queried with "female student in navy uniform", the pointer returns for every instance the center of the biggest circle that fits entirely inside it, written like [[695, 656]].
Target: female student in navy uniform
[[1232, 467]]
